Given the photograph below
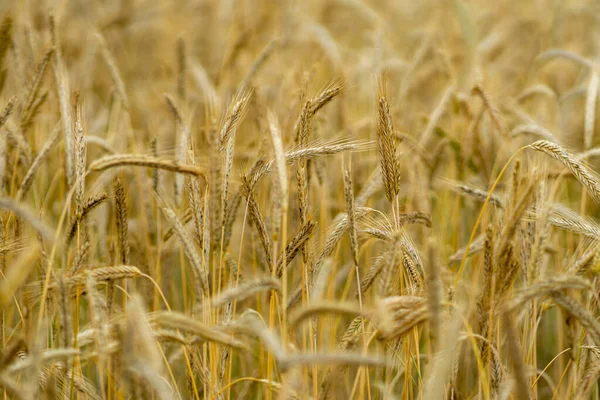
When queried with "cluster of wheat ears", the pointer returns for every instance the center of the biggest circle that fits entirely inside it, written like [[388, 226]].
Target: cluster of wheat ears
[[320, 199]]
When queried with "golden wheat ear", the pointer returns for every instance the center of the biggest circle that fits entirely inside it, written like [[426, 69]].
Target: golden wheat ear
[[585, 176], [7, 111], [386, 145]]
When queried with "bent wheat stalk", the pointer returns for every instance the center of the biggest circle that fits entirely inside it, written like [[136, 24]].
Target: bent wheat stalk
[[121, 160]]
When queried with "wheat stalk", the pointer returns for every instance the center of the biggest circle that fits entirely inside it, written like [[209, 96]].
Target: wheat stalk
[[182, 322], [7, 111], [121, 160], [62, 83], [113, 69], [200, 274], [325, 307], [246, 290], [184, 135], [29, 105], [26, 214], [36, 164]]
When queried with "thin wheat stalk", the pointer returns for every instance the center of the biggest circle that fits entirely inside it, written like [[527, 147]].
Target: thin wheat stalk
[[7, 111], [347, 359], [24, 213], [251, 324], [155, 171], [511, 224], [184, 135], [181, 68], [590, 110], [24, 148], [36, 164], [196, 210], [541, 236], [559, 53], [113, 69], [515, 354], [444, 367], [491, 108], [63, 310], [437, 114], [98, 317], [3, 169], [246, 290], [258, 221], [534, 90], [340, 225], [372, 185], [141, 357], [34, 87], [206, 232], [100, 142], [280, 168], [260, 60], [434, 294], [203, 81], [62, 83], [322, 307], [5, 36], [18, 273], [122, 160], [534, 129], [175, 320], [484, 302], [200, 273], [35, 110], [230, 213], [475, 193]]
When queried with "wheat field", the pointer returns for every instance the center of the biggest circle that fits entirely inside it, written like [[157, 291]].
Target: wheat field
[[338, 199]]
